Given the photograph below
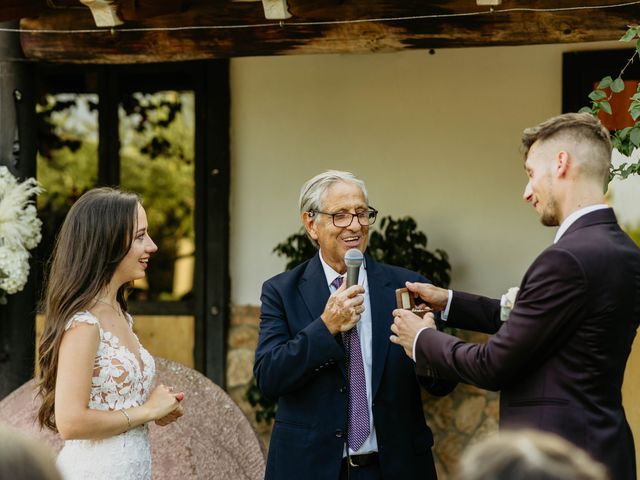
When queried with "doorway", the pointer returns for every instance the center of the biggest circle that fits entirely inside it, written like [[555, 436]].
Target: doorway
[[162, 131]]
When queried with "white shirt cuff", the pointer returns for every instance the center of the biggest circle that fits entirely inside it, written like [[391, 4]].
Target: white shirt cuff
[[415, 340], [445, 314]]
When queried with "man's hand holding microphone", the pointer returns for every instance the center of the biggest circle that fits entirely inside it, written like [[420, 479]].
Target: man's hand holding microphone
[[346, 304]]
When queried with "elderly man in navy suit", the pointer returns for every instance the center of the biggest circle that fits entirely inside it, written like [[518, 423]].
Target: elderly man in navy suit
[[349, 402], [559, 359]]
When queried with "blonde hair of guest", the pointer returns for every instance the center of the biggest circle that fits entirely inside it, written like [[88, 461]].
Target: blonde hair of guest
[[528, 455], [25, 458]]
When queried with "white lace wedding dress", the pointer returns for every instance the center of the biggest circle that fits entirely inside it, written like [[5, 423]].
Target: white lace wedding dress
[[119, 381]]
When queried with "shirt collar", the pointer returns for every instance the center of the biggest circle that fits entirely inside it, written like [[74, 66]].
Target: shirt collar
[[575, 216], [331, 274]]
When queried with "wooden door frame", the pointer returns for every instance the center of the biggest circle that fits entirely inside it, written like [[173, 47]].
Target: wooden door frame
[[18, 154], [209, 81]]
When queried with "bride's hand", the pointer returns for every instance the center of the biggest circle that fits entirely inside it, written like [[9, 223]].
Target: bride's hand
[[172, 417], [163, 401]]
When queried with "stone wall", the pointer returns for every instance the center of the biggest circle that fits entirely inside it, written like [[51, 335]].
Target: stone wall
[[457, 420], [460, 419], [243, 339]]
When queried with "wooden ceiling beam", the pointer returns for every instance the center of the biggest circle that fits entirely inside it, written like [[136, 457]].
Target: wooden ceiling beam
[[307, 31], [141, 10], [126, 9], [15, 9]]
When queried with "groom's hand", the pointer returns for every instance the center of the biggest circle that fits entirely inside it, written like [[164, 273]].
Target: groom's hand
[[435, 297], [406, 326]]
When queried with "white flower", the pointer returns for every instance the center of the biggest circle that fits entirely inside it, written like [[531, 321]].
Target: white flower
[[19, 230], [507, 301], [14, 263]]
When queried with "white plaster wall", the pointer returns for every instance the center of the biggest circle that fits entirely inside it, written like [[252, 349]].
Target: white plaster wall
[[434, 136]]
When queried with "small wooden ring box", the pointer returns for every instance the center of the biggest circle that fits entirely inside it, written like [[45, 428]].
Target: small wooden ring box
[[405, 300]]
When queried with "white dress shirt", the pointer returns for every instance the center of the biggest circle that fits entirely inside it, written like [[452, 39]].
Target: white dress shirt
[[364, 331]]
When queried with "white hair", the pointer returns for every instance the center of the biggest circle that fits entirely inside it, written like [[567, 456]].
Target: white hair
[[312, 191]]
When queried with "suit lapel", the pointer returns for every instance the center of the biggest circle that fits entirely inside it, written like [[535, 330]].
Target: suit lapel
[[605, 215], [315, 292], [382, 299], [313, 288]]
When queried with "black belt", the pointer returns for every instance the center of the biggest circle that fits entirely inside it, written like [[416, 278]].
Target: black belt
[[362, 460]]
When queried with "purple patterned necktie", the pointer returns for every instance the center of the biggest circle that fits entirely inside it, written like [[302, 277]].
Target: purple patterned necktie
[[358, 429]]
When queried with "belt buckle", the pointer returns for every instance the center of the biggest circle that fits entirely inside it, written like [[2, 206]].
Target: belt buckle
[[351, 464]]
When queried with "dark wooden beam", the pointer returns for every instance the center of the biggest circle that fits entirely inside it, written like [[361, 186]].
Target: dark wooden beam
[[126, 9], [299, 35], [108, 128], [212, 219], [16, 9], [135, 10]]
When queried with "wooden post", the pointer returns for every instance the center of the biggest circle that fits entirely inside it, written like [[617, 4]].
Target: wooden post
[[18, 153], [108, 128], [212, 221]]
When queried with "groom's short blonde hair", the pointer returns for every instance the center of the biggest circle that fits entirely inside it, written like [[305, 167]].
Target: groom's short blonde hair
[[590, 139]]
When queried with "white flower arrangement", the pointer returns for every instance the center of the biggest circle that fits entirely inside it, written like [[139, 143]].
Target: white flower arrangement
[[19, 231], [507, 301]]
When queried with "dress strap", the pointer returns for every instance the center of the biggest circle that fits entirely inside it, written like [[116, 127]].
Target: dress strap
[[82, 317]]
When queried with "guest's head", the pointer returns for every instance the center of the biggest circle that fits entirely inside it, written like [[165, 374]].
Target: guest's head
[[336, 215], [24, 458], [566, 157], [103, 245], [527, 455]]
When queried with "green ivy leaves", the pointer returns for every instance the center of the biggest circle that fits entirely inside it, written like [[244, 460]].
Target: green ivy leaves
[[630, 34], [626, 139], [600, 99]]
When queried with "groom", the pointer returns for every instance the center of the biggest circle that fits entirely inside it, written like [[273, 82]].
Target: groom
[[559, 360]]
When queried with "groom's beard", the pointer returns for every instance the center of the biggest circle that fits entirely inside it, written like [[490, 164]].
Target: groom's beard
[[549, 216]]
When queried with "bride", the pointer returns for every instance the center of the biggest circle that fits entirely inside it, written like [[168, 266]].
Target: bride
[[95, 377]]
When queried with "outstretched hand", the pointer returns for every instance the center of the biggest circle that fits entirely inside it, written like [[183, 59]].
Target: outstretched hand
[[436, 298], [406, 326]]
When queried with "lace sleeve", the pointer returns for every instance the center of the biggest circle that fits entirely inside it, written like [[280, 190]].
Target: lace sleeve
[[82, 317], [129, 319]]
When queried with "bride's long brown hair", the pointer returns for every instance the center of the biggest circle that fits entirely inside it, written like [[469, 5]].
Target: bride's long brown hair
[[94, 238]]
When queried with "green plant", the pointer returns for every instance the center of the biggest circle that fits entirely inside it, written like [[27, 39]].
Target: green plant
[[265, 408], [396, 242], [296, 248], [626, 139]]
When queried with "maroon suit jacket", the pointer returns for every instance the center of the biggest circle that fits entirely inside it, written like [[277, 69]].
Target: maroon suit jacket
[[559, 360]]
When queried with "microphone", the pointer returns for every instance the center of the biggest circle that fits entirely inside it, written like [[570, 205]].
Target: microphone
[[353, 259]]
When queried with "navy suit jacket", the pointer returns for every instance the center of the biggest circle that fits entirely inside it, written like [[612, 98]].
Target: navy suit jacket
[[299, 363], [559, 359]]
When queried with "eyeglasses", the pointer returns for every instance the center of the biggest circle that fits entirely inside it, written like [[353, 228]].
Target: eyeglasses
[[344, 219]]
